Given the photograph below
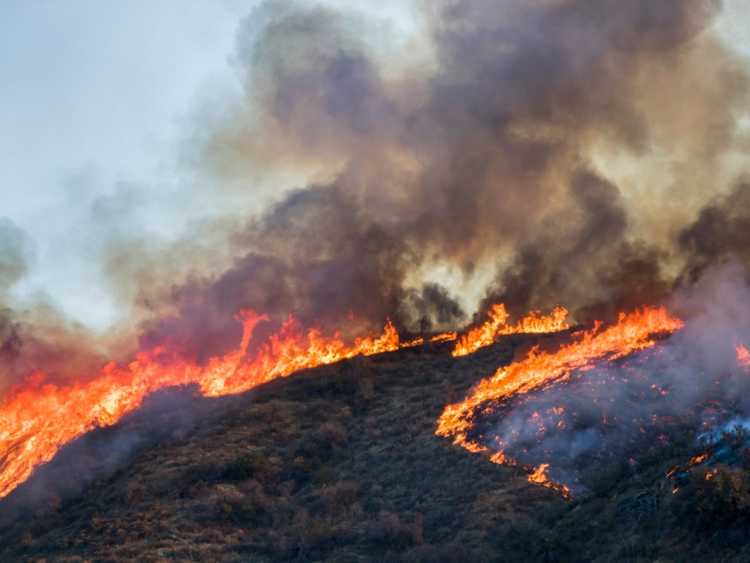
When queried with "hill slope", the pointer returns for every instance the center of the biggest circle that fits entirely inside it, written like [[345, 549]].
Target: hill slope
[[341, 463]]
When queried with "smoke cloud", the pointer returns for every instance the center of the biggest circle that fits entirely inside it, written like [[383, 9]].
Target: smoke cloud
[[490, 157], [520, 142], [36, 337]]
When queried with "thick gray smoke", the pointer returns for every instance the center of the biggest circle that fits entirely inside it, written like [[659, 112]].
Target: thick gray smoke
[[516, 146], [719, 232], [489, 157]]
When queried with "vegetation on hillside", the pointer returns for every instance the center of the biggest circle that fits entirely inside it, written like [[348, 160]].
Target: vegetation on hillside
[[341, 464]]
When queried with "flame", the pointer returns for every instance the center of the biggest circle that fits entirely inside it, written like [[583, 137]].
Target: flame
[[438, 338], [38, 418], [500, 458], [445, 337], [413, 343], [695, 460], [539, 477], [743, 356], [632, 332], [497, 325], [698, 459]]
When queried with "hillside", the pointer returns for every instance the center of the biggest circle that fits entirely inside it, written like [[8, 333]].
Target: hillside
[[341, 463]]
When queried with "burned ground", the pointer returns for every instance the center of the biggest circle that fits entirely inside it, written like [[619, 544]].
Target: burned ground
[[341, 463]]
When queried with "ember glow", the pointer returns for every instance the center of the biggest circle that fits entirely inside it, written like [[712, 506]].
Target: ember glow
[[38, 418], [633, 332], [743, 356], [497, 325]]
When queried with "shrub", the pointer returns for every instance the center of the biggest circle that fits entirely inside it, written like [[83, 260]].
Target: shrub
[[252, 464], [339, 495], [602, 480], [391, 531], [366, 389], [332, 432], [313, 536], [715, 497], [324, 474], [427, 553], [250, 505]]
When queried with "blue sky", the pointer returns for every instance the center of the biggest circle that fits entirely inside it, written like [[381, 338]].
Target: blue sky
[[96, 102], [94, 96]]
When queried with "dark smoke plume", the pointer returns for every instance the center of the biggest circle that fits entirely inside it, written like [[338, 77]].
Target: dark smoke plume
[[488, 157], [720, 232], [494, 153]]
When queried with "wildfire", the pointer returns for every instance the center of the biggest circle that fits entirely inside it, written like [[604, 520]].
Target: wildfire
[[632, 332], [38, 418], [497, 325]]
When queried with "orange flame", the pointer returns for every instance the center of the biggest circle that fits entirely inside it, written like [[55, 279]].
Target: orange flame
[[445, 337], [539, 477], [438, 338], [632, 332], [743, 356], [497, 325], [698, 459], [39, 418]]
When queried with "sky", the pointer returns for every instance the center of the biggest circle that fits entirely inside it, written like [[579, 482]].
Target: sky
[[97, 102]]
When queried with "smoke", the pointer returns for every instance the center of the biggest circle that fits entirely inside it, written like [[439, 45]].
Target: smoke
[[718, 233], [35, 336], [12, 268], [432, 308], [521, 142], [14, 248], [491, 156]]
